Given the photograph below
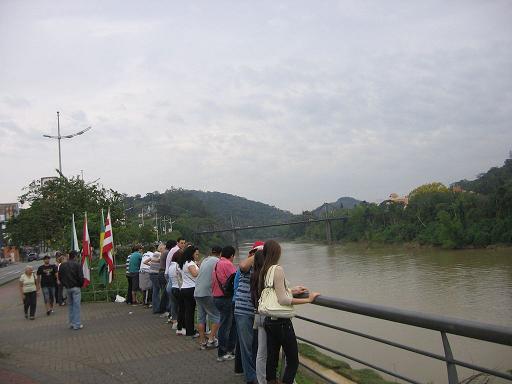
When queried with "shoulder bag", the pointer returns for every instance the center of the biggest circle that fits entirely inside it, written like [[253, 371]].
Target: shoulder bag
[[268, 304]]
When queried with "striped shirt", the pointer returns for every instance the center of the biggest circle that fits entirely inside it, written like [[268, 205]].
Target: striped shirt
[[128, 265], [243, 301]]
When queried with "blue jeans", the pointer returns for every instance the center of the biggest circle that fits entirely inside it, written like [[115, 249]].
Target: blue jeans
[[155, 297], [227, 330], [74, 298], [172, 304], [248, 348]]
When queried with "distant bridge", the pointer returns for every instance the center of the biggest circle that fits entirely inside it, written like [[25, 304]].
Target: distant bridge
[[234, 230]]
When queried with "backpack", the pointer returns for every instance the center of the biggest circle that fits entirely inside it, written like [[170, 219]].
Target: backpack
[[228, 288]]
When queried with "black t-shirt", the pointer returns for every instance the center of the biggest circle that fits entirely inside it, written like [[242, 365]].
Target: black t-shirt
[[48, 275]]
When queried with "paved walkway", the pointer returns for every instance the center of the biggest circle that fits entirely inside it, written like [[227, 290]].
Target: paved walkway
[[113, 347]]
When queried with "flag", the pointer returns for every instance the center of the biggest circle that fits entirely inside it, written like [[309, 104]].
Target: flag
[[102, 232], [102, 265], [86, 254], [74, 238], [108, 245]]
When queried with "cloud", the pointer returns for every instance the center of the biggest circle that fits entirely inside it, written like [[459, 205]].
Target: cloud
[[315, 100]]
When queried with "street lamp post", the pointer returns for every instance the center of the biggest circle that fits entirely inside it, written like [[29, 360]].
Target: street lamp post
[[59, 138]]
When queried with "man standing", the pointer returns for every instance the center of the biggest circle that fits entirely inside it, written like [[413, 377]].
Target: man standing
[[180, 244], [133, 269], [48, 277], [223, 270], [72, 278], [204, 300]]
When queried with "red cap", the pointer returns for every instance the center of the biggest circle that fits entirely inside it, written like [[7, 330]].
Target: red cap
[[258, 244]]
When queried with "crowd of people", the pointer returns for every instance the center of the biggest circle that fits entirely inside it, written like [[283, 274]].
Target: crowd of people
[[60, 283], [173, 281]]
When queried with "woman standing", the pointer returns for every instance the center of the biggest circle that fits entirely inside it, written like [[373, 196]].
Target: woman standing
[[280, 332], [29, 288], [259, 320], [174, 275], [189, 272]]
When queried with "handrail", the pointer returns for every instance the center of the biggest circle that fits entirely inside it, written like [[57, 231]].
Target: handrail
[[467, 328], [444, 324]]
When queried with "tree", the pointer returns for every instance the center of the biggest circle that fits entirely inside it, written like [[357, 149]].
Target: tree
[[48, 219]]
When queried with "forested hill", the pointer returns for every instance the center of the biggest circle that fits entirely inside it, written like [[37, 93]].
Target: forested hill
[[197, 210], [490, 182], [244, 212], [474, 213], [343, 202]]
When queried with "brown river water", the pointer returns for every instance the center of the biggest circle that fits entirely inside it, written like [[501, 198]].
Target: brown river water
[[471, 284]]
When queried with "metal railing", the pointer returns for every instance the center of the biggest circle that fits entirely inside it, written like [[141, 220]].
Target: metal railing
[[444, 325]]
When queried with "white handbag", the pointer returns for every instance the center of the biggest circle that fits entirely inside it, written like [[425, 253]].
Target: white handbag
[[268, 304]]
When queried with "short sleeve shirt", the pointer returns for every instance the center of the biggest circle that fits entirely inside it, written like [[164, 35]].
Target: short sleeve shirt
[[135, 260], [29, 282], [48, 275], [204, 279], [189, 281], [220, 273]]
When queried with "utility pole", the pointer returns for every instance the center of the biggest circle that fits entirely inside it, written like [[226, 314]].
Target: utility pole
[[156, 224], [59, 138]]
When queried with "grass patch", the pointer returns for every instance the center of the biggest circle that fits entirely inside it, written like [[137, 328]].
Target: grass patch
[[360, 376], [97, 291]]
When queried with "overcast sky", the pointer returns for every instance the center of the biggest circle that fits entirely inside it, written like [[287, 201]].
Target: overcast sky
[[292, 103]]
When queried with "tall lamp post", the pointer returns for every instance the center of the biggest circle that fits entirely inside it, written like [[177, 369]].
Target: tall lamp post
[[59, 138]]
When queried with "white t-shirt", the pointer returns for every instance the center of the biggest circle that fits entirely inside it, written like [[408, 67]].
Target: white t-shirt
[[145, 257], [189, 281], [174, 274]]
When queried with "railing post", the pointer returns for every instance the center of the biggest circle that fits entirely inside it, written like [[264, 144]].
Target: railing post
[[452, 368]]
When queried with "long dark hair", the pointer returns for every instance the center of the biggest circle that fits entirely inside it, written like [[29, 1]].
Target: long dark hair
[[188, 255], [255, 277], [271, 255], [178, 255]]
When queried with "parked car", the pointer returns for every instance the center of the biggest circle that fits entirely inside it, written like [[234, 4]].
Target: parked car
[[32, 256]]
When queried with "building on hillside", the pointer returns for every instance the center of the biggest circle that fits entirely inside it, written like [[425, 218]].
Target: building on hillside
[[394, 198]]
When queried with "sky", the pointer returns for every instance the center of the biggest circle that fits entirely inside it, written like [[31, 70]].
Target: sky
[[291, 103]]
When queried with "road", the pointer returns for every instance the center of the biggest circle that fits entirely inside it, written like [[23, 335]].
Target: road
[[15, 270]]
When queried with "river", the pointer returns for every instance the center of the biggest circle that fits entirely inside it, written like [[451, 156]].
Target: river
[[472, 285]]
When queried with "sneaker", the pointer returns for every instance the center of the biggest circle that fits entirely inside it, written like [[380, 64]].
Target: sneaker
[[202, 346], [32, 318], [181, 332], [165, 314], [228, 356], [212, 344], [195, 335], [168, 321], [79, 327], [26, 316], [175, 325]]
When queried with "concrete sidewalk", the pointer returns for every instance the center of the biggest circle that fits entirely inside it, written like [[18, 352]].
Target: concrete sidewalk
[[113, 347]]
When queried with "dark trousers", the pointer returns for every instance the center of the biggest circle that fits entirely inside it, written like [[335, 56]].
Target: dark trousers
[[227, 329], [129, 292], [164, 300], [280, 333], [30, 302], [176, 292], [189, 309], [59, 294]]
